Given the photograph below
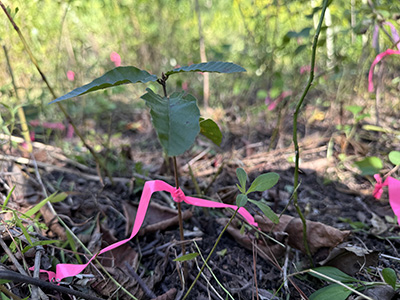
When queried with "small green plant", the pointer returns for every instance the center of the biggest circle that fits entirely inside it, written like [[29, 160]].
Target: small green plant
[[262, 183], [175, 117]]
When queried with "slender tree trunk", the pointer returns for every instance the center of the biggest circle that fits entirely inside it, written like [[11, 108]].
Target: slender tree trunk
[[353, 20], [330, 51], [203, 57]]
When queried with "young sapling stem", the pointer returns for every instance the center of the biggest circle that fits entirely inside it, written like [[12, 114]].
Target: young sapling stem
[[162, 81]]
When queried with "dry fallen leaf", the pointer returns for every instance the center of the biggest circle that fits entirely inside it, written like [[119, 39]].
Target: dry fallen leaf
[[350, 259], [319, 236]]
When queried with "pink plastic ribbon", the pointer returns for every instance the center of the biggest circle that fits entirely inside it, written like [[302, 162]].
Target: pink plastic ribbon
[[115, 58], [377, 59], [394, 192], [380, 56], [150, 187]]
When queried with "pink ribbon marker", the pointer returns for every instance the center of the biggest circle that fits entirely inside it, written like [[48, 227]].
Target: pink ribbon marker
[[394, 192], [150, 187], [377, 59]]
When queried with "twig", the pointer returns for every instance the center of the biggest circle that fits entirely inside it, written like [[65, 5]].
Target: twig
[[12, 257], [149, 293], [16, 277], [36, 271], [8, 293]]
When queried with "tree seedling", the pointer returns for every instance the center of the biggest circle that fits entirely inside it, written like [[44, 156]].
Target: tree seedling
[[175, 117], [262, 183]]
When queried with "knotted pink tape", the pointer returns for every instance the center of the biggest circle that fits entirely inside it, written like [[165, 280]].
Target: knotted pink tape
[[394, 192], [150, 187]]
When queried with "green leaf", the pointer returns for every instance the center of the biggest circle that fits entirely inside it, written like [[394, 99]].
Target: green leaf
[[333, 273], [331, 292], [8, 197], [369, 165], [305, 32], [52, 198], [117, 76], [354, 109], [241, 200], [300, 49], [242, 177], [176, 120], [212, 66], [4, 281], [267, 211], [187, 257], [263, 182], [394, 157], [389, 275], [22, 227], [210, 130]]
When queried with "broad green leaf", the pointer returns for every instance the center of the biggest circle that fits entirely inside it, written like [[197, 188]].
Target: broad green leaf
[[263, 182], [333, 273], [389, 275], [187, 257], [267, 211], [52, 198], [331, 292], [241, 200], [210, 130], [242, 177], [117, 76], [369, 165], [394, 157], [212, 66], [176, 120]]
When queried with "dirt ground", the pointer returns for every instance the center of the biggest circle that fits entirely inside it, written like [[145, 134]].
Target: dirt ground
[[355, 232]]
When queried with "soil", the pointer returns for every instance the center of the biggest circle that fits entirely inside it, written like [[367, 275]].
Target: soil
[[100, 213]]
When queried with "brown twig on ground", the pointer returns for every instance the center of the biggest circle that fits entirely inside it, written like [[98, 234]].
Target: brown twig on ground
[[149, 293], [16, 277]]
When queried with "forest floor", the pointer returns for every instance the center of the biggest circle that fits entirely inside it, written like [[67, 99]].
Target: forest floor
[[347, 227]]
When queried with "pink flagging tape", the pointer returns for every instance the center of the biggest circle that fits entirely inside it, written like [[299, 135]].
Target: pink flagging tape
[[150, 187], [394, 192], [377, 59]]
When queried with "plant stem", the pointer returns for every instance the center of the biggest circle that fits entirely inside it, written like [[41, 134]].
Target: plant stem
[[185, 266], [295, 116], [66, 115], [163, 83], [209, 255]]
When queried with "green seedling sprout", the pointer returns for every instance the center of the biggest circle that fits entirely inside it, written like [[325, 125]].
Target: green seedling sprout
[[260, 184]]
